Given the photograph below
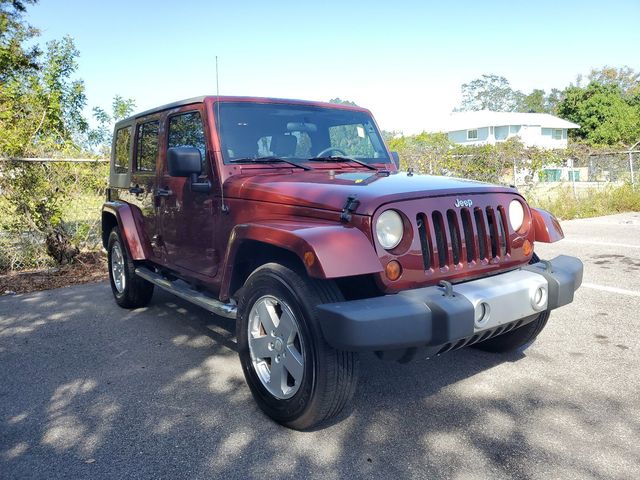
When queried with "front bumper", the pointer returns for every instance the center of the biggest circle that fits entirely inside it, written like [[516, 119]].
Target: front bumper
[[433, 317]]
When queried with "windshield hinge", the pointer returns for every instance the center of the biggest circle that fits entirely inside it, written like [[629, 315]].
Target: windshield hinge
[[349, 208]]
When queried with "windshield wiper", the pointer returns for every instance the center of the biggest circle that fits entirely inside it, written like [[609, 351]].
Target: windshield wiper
[[342, 159], [269, 159]]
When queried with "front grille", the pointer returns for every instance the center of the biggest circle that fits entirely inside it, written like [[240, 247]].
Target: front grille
[[466, 236]]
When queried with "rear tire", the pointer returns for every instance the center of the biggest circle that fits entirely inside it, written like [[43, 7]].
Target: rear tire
[[520, 338], [277, 323], [129, 290]]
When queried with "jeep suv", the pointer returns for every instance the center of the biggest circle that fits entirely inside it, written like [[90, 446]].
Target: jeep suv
[[292, 218]]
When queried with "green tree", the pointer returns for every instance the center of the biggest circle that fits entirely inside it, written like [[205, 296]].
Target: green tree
[[605, 116], [16, 56], [99, 138], [625, 78], [490, 92], [339, 101]]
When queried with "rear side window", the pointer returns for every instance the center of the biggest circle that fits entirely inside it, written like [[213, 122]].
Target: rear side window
[[147, 146], [123, 143], [186, 130]]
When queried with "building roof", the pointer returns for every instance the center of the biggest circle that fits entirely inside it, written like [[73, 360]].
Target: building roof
[[488, 118]]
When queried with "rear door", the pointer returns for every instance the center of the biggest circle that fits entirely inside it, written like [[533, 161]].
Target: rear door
[[188, 218], [143, 184]]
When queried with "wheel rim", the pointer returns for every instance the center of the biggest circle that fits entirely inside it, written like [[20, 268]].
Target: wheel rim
[[117, 268], [276, 347]]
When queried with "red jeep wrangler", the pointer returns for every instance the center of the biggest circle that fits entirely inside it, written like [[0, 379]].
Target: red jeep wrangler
[[292, 218]]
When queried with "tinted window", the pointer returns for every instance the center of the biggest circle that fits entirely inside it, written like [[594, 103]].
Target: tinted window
[[186, 130], [123, 142], [147, 147]]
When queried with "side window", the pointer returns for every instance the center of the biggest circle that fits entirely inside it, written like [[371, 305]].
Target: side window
[[147, 146], [186, 130], [121, 157]]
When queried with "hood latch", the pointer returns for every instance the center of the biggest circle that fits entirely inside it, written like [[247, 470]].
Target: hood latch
[[349, 208]]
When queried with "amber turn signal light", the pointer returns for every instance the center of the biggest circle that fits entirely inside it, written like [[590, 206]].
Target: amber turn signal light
[[527, 248], [393, 270], [309, 258]]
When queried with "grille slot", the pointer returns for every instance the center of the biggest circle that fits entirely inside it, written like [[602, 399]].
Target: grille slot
[[493, 232], [502, 231], [441, 241], [454, 233], [467, 228], [425, 240], [482, 233]]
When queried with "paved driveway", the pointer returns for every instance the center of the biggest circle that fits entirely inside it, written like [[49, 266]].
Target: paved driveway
[[88, 390]]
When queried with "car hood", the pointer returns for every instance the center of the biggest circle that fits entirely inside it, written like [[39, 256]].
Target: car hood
[[329, 190]]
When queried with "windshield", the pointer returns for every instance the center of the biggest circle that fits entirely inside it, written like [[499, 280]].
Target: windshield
[[297, 132]]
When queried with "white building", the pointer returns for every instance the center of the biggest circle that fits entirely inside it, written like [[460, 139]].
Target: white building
[[487, 127]]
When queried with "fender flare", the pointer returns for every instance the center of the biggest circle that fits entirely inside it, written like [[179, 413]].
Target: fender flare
[[338, 250], [137, 245], [547, 229]]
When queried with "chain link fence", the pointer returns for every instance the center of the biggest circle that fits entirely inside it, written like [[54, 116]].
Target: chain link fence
[[67, 193], [71, 191]]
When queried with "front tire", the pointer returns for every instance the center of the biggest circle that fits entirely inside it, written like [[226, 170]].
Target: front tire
[[295, 377], [129, 290]]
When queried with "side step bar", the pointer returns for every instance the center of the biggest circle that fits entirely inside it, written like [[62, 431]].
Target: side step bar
[[182, 290]]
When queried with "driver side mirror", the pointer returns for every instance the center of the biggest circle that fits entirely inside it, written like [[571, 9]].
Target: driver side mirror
[[187, 162], [395, 158]]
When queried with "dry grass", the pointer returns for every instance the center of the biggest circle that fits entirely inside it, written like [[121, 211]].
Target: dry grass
[[588, 203]]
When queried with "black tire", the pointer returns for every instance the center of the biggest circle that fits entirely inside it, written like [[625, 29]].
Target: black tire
[[137, 292], [518, 339], [329, 376]]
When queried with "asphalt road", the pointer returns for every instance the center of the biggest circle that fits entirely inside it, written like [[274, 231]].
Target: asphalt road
[[88, 390]]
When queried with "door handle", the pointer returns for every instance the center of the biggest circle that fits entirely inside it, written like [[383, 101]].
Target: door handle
[[163, 192], [136, 190]]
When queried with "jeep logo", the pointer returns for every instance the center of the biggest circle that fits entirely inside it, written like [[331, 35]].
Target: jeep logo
[[463, 203]]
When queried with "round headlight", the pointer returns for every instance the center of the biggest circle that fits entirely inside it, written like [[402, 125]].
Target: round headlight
[[516, 214], [389, 229]]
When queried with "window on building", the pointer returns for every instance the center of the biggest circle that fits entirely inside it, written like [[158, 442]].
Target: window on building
[[472, 134], [147, 146], [123, 143], [186, 130], [557, 134]]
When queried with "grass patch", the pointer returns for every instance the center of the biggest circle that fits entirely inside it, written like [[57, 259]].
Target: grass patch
[[588, 203]]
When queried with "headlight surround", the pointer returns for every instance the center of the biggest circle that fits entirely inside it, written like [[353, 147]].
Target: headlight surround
[[516, 214], [389, 229]]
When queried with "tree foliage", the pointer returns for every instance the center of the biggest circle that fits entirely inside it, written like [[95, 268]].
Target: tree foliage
[[606, 115], [41, 114], [490, 92]]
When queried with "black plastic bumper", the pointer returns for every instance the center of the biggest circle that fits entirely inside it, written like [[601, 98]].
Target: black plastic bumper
[[426, 316]]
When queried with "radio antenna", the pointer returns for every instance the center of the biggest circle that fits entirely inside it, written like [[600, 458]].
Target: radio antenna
[[223, 207]]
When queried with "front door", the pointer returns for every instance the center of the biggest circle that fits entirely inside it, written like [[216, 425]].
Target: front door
[[188, 218], [143, 181]]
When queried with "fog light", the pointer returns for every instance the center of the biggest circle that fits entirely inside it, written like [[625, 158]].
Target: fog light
[[393, 270], [482, 314], [539, 298]]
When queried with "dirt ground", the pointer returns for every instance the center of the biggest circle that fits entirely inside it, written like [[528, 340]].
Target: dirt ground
[[87, 267]]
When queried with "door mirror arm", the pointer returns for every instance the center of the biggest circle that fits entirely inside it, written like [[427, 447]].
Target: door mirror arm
[[199, 186]]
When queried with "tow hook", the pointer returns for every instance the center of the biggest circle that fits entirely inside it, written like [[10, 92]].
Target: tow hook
[[448, 288]]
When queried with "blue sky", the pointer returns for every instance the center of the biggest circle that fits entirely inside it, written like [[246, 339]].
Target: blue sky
[[405, 60]]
